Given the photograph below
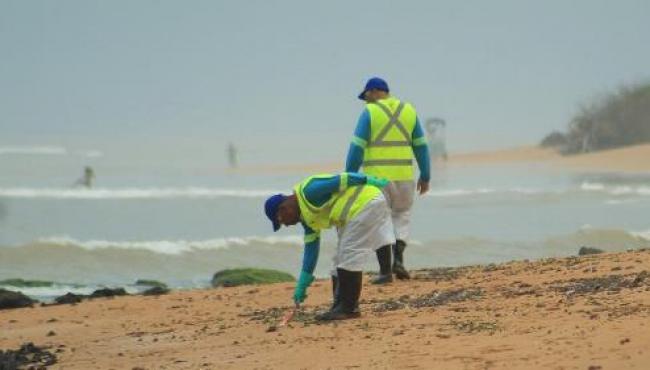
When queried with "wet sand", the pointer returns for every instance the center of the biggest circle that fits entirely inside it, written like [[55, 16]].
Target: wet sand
[[588, 312]]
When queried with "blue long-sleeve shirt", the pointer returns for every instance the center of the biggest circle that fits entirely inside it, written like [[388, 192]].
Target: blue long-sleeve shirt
[[362, 137], [318, 191]]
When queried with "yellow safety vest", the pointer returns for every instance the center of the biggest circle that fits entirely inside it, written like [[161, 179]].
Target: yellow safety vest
[[342, 207], [389, 153]]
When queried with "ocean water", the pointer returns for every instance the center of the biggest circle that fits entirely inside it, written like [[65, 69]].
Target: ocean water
[[179, 223]]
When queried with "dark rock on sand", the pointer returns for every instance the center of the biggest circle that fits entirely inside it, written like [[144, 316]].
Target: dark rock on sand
[[28, 356], [588, 250], [108, 292], [157, 290], [11, 299], [151, 283], [69, 298]]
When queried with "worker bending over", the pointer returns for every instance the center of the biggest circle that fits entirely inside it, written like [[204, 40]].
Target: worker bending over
[[355, 205]]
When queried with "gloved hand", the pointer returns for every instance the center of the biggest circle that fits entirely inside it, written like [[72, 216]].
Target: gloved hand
[[376, 181], [300, 293]]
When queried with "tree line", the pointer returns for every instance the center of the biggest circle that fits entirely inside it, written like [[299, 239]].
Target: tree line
[[619, 119]]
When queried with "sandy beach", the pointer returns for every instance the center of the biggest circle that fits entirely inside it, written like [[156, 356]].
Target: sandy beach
[[586, 312], [632, 159]]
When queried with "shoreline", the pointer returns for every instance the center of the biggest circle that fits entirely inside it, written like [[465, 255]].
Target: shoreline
[[572, 312]]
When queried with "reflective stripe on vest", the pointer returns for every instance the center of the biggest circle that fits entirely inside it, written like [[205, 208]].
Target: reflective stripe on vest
[[393, 120], [348, 204], [341, 207], [389, 153]]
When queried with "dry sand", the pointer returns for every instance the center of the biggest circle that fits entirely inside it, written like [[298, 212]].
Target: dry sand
[[633, 159], [530, 154], [589, 312], [630, 159]]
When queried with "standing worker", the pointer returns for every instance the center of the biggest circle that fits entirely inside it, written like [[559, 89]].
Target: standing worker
[[387, 137], [353, 203]]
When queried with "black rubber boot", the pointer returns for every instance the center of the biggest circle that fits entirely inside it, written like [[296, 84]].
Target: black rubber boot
[[398, 264], [335, 287], [347, 301], [385, 271]]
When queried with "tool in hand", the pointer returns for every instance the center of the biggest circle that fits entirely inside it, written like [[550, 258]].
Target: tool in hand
[[289, 315]]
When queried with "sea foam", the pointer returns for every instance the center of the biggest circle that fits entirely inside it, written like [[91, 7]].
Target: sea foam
[[131, 193], [173, 246]]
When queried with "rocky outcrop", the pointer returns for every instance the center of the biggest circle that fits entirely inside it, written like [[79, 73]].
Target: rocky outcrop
[[11, 299]]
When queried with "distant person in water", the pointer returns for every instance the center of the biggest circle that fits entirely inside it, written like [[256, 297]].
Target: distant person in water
[[87, 179], [232, 155]]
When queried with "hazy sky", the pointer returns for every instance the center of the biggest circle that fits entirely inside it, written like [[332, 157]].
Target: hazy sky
[[280, 77]]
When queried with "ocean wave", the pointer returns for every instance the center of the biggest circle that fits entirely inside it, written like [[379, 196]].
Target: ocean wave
[[615, 190], [33, 150], [192, 263], [55, 290], [645, 235], [178, 263], [587, 187], [205, 192], [90, 153], [586, 235], [48, 151], [132, 193], [49, 293], [173, 247], [460, 192], [451, 193], [607, 239]]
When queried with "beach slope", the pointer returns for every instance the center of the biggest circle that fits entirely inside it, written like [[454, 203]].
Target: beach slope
[[588, 312]]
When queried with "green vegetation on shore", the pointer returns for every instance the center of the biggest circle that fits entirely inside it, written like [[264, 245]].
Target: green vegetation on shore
[[249, 276], [619, 119]]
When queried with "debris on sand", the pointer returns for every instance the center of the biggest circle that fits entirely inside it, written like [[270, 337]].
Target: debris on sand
[[273, 315], [438, 274], [28, 356], [611, 283], [470, 326], [518, 288], [433, 299]]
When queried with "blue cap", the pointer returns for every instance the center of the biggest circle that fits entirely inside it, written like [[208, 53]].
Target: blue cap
[[374, 83], [271, 209]]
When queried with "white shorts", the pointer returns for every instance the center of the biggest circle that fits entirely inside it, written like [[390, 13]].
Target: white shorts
[[399, 195], [370, 230]]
